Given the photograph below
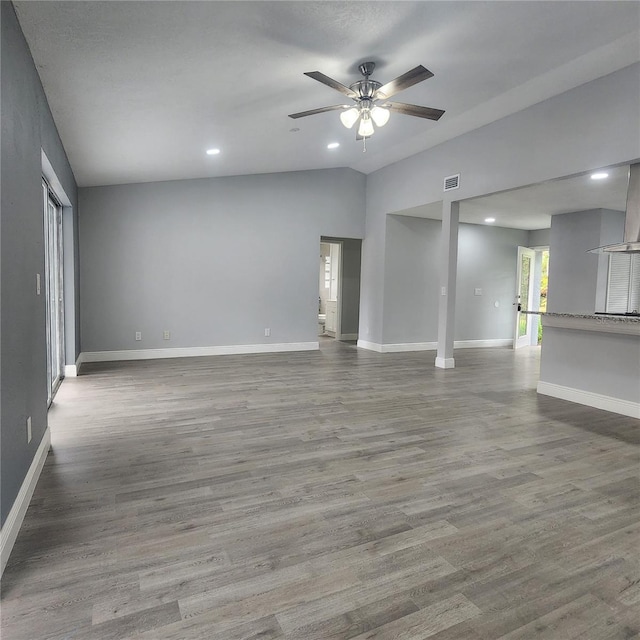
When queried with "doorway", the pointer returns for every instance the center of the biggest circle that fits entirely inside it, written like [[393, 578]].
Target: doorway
[[339, 288], [524, 298], [54, 289], [542, 285], [532, 277], [329, 293]]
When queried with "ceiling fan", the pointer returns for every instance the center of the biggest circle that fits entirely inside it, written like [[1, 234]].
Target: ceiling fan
[[370, 98]]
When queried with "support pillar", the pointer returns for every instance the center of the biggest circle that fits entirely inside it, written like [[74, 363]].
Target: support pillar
[[448, 273]]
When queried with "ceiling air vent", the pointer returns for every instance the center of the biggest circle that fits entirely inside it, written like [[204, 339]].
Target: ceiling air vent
[[452, 182]]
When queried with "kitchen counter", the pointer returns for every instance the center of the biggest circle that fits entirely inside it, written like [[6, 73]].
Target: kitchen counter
[[627, 325]]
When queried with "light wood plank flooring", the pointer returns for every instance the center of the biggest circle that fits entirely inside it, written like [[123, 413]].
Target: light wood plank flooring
[[325, 496]]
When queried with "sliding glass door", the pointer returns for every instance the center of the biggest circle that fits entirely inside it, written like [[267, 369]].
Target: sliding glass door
[[53, 290]]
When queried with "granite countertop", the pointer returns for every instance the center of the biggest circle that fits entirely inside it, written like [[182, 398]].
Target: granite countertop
[[586, 316]]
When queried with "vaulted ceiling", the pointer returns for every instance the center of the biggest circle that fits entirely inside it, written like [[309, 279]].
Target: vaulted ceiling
[[140, 90]]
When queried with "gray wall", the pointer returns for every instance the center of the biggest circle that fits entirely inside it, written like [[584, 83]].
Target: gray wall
[[27, 127], [594, 125], [539, 238], [602, 363], [577, 277], [350, 310], [214, 261], [487, 259], [411, 280]]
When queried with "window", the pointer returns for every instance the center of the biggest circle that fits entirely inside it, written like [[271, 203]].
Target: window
[[623, 288]]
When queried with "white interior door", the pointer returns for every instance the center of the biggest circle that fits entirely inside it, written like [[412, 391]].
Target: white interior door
[[524, 298]]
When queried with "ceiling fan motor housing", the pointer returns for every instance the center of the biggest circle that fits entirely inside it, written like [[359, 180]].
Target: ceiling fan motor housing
[[365, 89]]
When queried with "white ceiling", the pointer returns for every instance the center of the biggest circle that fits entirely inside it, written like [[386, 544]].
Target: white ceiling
[[139, 90], [532, 207]]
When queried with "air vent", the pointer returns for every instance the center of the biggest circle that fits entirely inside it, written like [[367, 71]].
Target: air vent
[[452, 182]]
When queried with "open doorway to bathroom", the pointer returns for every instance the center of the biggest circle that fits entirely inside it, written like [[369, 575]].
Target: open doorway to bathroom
[[329, 291], [339, 288]]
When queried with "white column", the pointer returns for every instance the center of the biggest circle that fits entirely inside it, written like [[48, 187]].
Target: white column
[[448, 271]]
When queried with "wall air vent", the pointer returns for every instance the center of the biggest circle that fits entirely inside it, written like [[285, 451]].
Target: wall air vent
[[452, 182]]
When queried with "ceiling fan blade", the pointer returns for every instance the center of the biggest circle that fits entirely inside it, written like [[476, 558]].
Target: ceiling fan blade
[[330, 82], [414, 110], [312, 112], [406, 80]]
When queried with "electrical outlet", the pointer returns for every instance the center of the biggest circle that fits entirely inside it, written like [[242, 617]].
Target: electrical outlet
[[28, 429], [138, 335], [267, 332], [443, 291], [166, 335], [477, 291]]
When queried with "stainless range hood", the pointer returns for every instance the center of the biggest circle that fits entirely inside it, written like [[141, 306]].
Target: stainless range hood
[[631, 241]]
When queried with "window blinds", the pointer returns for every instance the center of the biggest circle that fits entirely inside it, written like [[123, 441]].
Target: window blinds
[[623, 290]]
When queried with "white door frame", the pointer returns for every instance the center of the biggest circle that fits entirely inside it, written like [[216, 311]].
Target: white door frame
[[524, 340], [338, 266], [54, 289], [339, 292]]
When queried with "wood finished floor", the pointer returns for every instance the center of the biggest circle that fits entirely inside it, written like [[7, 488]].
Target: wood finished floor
[[325, 496]]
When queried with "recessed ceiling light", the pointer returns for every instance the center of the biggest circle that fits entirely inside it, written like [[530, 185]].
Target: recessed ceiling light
[[333, 145], [213, 152], [489, 219], [599, 176]]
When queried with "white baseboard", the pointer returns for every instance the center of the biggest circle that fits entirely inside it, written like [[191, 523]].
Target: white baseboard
[[15, 518], [73, 370], [475, 344], [370, 346], [396, 348], [432, 346], [589, 399], [190, 352], [409, 346], [445, 363]]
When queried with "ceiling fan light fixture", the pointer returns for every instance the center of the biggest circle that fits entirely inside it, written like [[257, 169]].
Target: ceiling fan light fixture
[[380, 116], [366, 126], [349, 117]]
